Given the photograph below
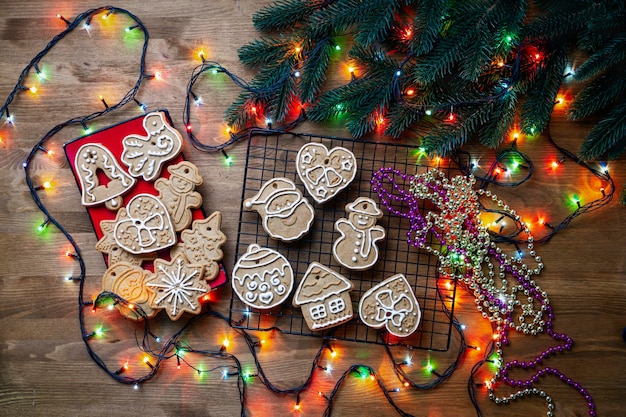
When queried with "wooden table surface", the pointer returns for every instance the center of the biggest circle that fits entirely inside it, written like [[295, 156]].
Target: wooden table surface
[[44, 367]]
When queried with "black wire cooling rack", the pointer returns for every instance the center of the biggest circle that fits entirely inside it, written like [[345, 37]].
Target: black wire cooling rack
[[272, 156]]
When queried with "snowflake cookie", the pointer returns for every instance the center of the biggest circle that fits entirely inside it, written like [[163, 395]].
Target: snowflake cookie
[[178, 287]]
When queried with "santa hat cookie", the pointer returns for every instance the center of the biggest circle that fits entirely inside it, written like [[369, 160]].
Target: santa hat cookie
[[324, 297], [287, 215]]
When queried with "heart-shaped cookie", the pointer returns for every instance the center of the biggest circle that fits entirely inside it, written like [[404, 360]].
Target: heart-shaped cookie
[[144, 226], [325, 173], [391, 304]]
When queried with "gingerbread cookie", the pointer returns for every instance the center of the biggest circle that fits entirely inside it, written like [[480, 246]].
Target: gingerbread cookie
[[356, 247], [93, 160], [324, 173], [262, 277], [202, 244], [324, 297], [177, 286], [145, 155], [177, 193], [129, 282], [391, 304], [287, 215], [115, 254], [144, 226]]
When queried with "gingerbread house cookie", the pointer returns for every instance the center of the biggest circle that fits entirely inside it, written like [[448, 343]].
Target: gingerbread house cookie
[[286, 214], [357, 248], [262, 277], [391, 304], [324, 297], [325, 173]]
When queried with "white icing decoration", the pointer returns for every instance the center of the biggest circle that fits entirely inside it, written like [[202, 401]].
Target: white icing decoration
[[318, 166]]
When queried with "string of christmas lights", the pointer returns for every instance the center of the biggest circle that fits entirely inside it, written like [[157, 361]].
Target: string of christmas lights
[[173, 348]]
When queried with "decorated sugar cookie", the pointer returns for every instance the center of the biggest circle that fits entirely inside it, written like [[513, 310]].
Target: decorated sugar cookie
[[202, 244], [262, 277], [324, 297], [324, 173], [145, 155], [357, 248], [286, 214], [391, 304], [177, 286], [93, 159], [129, 282], [177, 193], [145, 226], [115, 253]]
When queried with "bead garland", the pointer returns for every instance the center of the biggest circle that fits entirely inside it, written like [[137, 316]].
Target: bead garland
[[504, 288]]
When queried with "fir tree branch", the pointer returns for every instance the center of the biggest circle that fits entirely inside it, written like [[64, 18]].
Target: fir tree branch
[[539, 103], [599, 94], [612, 54], [500, 122], [264, 51], [608, 137], [284, 14], [314, 68], [427, 25]]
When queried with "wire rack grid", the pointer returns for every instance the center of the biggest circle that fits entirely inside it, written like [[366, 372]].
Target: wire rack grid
[[270, 157]]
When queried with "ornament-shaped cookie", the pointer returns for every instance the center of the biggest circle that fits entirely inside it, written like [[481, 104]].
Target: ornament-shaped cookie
[[129, 282], [145, 155], [177, 193], [202, 244], [145, 226], [178, 287], [357, 248], [324, 297], [391, 304], [93, 160], [262, 277], [325, 173], [286, 214]]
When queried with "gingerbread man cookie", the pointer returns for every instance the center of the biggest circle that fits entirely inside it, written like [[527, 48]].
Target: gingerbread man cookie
[[145, 155], [391, 304], [177, 193], [287, 215], [129, 282], [356, 247], [202, 244], [115, 253], [145, 226], [178, 287], [93, 159], [324, 173]]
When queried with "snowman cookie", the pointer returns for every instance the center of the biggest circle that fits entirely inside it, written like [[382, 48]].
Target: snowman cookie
[[357, 248], [177, 193], [145, 155], [262, 277], [286, 214], [324, 173], [391, 304]]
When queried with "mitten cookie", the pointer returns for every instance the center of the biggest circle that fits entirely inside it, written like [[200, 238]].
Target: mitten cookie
[[129, 282]]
